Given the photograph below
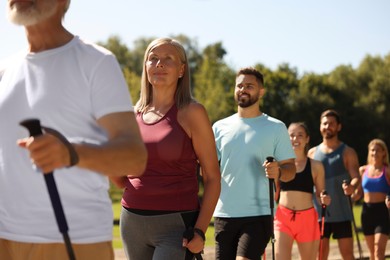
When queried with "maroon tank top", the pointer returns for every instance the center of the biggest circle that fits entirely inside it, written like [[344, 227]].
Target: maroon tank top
[[170, 179]]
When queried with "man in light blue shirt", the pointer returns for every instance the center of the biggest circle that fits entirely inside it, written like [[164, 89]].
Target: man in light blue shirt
[[242, 218]]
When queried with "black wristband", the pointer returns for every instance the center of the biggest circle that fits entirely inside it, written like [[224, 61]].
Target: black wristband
[[200, 233]]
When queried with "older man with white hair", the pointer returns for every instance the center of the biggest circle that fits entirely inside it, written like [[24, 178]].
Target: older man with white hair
[[77, 89]]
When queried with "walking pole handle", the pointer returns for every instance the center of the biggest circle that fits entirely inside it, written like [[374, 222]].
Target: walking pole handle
[[271, 183], [323, 206], [35, 129]]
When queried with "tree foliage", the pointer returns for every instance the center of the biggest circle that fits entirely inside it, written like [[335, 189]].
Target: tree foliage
[[214, 82]]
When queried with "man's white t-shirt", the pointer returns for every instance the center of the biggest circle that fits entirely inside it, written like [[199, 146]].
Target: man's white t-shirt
[[68, 89]]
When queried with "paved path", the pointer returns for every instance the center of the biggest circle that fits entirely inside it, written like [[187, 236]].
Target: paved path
[[333, 255]]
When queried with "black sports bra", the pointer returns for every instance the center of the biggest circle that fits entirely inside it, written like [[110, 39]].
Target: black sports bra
[[303, 181]]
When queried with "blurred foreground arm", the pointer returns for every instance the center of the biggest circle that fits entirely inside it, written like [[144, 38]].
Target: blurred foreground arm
[[123, 154]]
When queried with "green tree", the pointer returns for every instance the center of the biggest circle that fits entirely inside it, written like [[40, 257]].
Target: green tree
[[308, 101], [134, 83], [278, 85], [373, 74], [214, 83], [194, 56]]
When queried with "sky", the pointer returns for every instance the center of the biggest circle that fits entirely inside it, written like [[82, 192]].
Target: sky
[[310, 35]]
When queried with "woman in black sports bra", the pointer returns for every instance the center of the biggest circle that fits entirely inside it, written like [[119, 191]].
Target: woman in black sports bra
[[296, 218]]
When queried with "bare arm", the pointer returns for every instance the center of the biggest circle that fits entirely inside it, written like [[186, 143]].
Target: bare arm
[[280, 170], [311, 152], [287, 170], [387, 201], [358, 193], [351, 163], [318, 174], [123, 154], [198, 126]]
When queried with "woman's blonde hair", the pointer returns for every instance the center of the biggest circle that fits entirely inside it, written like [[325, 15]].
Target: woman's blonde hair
[[183, 95], [383, 145]]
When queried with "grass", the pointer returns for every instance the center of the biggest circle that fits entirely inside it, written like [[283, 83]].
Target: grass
[[117, 242]]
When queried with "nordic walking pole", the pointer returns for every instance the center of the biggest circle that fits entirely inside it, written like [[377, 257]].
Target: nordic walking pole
[[354, 224], [271, 203], [34, 127], [323, 211]]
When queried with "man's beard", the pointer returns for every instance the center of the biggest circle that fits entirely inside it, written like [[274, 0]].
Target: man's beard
[[329, 135], [246, 101], [31, 15]]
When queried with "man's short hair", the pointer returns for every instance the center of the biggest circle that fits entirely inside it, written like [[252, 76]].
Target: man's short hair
[[252, 71], [331, 112]]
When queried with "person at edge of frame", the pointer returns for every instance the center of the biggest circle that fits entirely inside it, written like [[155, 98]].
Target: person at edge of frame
[[375, 187], [77, 89]]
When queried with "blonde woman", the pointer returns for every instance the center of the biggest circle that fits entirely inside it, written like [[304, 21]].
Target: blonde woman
[[374, 188], [163, 203]]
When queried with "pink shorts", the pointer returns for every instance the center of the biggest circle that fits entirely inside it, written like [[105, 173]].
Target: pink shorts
[[302, 225]]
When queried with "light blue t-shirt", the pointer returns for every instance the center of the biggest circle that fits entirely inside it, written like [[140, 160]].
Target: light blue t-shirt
[[242, 146]]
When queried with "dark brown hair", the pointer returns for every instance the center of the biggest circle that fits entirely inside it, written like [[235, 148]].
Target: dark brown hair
[[333, 113], [254, 72]]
